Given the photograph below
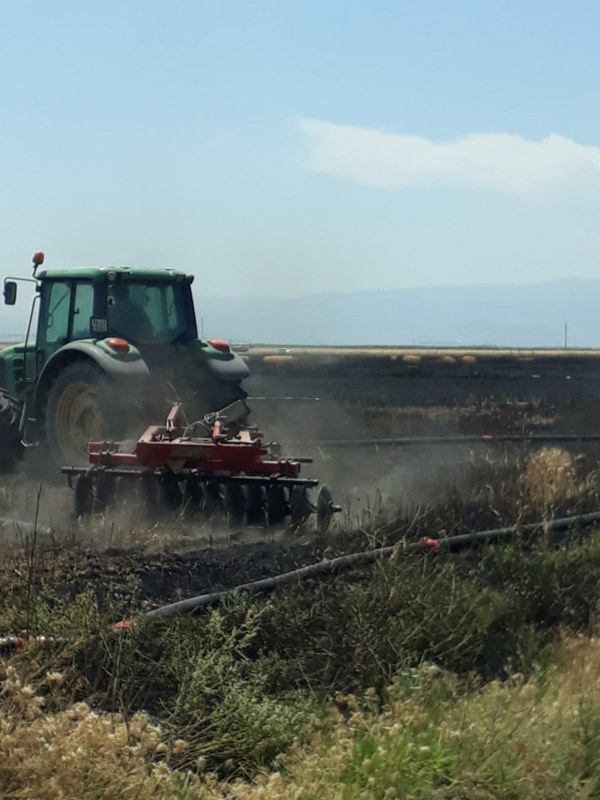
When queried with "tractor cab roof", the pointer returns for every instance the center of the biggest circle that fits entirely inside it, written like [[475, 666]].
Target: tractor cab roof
[[95, 273]]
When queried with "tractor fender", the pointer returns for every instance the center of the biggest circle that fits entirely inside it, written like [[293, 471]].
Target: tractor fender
[[128, 367], [234, 369]]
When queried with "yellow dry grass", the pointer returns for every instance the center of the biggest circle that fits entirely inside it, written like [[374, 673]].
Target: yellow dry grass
[[532, 740], [77, 753], [550, 478]]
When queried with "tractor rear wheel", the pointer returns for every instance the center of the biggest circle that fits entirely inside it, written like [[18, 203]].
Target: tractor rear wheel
[[83, 405], [11, 449]]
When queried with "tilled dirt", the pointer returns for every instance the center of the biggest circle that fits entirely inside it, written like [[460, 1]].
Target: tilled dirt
[[138, 577]]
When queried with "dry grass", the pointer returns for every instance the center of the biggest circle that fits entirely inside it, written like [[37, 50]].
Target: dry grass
[[77, 753], [434, 737], [521, 739], [550, 479]]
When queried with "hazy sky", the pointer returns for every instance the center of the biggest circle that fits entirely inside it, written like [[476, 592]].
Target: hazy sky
[[293, 147]]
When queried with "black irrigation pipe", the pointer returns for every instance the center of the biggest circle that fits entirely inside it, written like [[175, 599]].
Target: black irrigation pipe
[[419, 441], [333, 565]]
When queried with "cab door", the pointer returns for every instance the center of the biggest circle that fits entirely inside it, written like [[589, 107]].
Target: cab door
[[54, 320]]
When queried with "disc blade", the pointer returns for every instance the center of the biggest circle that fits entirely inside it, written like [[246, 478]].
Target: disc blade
[[277, 506], [325, 509], [300, 505], [256, 504], [106, 492], [84, 496], [149, 494], [235, 504], [169, 495], [213, 499], [128, 493], [193, 498]]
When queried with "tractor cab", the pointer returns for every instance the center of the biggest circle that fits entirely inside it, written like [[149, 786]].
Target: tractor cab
[[145, 308]]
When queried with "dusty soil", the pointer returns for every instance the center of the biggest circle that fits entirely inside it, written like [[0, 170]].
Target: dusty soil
[[135, 576]]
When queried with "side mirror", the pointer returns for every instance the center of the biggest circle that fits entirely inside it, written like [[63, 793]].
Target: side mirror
[[10, 293]]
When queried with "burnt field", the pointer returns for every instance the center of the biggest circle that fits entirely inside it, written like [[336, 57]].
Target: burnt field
[[426, 376]]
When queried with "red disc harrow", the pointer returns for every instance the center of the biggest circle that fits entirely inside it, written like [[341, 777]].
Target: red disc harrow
[[215, 467]]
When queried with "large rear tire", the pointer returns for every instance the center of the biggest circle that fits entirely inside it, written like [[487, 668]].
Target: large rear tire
[[11, 449], [85, 405]]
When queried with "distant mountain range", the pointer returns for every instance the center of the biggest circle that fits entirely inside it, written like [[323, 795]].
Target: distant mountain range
[[484, 315], [509, 316]]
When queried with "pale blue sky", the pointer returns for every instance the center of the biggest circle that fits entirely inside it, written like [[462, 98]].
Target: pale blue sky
[[243, 141]]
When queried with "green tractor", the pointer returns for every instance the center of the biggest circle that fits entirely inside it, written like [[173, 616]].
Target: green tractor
[[112, 346]]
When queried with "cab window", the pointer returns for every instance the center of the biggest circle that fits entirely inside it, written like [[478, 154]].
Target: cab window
[[83, 308], [55, 311], [147, 312]]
